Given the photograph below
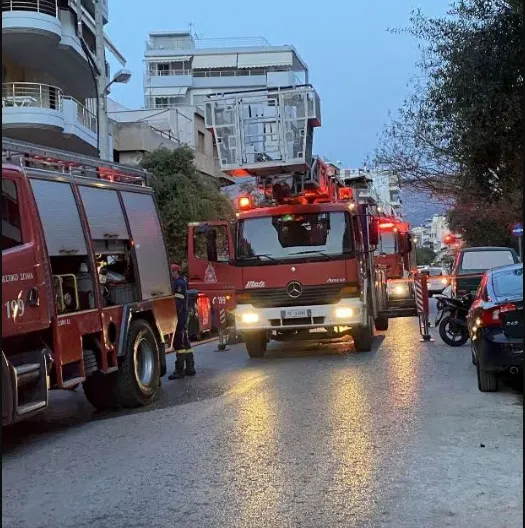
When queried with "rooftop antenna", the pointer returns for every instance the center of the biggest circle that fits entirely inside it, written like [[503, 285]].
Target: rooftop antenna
[[193, 31]]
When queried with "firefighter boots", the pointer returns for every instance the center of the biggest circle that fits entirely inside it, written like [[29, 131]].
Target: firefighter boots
[[179, 368], [190, 364]]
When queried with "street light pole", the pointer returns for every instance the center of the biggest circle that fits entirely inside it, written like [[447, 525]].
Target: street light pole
[[102, 82]]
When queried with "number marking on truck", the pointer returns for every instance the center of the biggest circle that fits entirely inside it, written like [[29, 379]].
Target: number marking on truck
[[219, 300], [14, 308]]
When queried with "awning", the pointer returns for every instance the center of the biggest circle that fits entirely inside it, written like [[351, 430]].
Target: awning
[[205, 62], [167, 92], [169, 58], [263, 60]]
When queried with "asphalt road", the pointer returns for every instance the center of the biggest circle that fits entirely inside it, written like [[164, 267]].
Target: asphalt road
[[310, 436]]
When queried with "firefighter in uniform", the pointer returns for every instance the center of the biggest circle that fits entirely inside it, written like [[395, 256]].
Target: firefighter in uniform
[[183, 348]]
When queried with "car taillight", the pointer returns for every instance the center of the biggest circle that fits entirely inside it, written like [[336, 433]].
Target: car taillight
[[490, 317]]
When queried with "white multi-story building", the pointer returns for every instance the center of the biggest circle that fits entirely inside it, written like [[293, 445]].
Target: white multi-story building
[[183, 70], [48, 79], [432, 233], [384, 187]]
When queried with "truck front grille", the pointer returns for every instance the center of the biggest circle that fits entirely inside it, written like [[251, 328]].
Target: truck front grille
[[278, 297]]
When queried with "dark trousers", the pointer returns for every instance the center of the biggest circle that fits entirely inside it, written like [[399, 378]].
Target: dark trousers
[[182, 339]]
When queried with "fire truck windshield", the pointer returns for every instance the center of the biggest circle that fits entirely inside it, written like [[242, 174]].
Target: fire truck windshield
[[294, 236], [387, 243]]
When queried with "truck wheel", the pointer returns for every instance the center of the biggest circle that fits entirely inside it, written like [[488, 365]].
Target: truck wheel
[[381, 324], [487, 381], [99, 390], [139, 372], [363, 336], [256, 344]]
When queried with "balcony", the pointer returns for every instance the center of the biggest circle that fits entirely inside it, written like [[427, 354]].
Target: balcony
[[42, 114], [36, 22], [38, 35]]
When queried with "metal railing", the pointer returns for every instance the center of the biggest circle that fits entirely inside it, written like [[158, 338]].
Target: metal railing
[[185, 43], [153, 72], [165, 133], [32, 95], [84, 115], [46, 7]]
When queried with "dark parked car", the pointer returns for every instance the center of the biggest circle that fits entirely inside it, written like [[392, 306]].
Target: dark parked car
[[472, 263], [495, 323]]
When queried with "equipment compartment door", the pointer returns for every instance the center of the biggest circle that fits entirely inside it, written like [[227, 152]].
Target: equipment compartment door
[[26, 296], [210, 248]]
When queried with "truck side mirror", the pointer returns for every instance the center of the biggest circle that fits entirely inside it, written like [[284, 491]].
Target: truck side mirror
[[374, 232], [211, 245], [410, 244]]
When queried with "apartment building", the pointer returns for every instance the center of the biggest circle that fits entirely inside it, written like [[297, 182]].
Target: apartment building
[[48, 80], [136, 132], [432, 233], [183, 70], [383, 187]]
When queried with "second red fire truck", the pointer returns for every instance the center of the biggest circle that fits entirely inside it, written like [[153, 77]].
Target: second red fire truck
[[300, 264]]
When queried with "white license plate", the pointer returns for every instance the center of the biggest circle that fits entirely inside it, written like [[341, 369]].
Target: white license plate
[[295, 314]]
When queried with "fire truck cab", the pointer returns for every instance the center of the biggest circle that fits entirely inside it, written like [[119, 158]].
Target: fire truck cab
[[86, 289], [289, 271]]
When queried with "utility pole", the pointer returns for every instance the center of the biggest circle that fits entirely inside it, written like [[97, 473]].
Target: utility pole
[[102, 82]]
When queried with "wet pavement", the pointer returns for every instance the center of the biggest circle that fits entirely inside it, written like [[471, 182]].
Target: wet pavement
[[310, 436]]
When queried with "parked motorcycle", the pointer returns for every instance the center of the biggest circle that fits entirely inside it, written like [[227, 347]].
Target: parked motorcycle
[[452, 318]]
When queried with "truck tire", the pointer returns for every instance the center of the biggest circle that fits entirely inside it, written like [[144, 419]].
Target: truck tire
[[99, 390], [256, 344], [381, 324], [487, 380], [139, 371], [363, 336]]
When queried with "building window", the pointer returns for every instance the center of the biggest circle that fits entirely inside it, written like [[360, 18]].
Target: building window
[[395, 196], [166, 102], [201, 142], [11, 222], [163, 68]]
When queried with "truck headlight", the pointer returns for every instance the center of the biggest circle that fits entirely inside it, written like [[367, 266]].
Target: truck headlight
[[399, 290], [250, 318], [344, 313]]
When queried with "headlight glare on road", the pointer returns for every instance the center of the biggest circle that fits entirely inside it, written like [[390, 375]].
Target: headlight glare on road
[[250, 318], [344, 312]]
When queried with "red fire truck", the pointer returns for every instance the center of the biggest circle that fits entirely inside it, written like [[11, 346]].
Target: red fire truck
[[86, 289], [301, 264], [395, 254]]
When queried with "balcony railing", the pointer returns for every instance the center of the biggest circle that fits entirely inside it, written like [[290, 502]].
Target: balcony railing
[[46, 7], [184, 43], [166, 73], [31, 95], [85, 116]]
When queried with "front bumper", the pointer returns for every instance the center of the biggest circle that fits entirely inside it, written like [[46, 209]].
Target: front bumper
[[497, 352], [347, 312]]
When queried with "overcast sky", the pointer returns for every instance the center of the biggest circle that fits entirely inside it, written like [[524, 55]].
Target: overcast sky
[[358, 68]]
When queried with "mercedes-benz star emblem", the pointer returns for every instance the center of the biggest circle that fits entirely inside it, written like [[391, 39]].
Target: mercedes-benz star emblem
[[294, 289]]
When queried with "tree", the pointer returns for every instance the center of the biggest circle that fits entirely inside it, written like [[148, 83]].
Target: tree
[[459, 136], [424, 256], [183, 195]]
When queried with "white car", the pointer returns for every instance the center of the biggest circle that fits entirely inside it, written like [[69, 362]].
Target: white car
[[437, 279]]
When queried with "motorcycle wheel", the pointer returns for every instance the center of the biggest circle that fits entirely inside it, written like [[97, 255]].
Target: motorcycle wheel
[[452, 334]]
